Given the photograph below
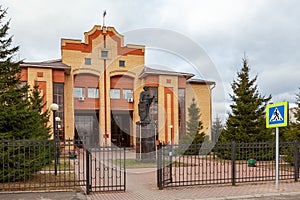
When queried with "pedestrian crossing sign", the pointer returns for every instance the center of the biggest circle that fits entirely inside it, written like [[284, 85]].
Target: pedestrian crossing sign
[[277, 115]]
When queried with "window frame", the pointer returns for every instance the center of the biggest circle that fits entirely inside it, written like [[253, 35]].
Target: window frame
[[87, 61], [129, 91], [82, 92], [115, 97], [122, 63], [102, 54], [93, 93]]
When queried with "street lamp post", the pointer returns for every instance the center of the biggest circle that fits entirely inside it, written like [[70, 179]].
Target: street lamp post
[[54, 107]]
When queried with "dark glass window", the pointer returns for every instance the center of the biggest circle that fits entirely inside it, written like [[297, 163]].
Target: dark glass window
[[181, 110], [104, 54], [88, 61], [121, 63], [58, 98]]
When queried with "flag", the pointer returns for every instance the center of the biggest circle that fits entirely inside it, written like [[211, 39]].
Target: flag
[[104, 13]]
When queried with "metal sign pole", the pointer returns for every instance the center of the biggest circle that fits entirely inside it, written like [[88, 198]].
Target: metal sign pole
[[277, 115], [277, 156]]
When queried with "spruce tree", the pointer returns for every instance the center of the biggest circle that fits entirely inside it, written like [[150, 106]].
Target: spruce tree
[[194, 136], [194, 125], [21, 117], [13, 108], [216, 129], [246, 122], [21, 110], [292, 132], [40, 129]]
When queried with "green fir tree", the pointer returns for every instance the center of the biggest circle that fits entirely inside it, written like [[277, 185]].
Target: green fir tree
[[194, 136], [21, 117], [13, 109], [194, 125], [40, 129], [246, 122], [216, 129], [292, 132]]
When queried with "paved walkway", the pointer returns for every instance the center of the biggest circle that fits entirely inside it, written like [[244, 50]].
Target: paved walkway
[[141, 185]]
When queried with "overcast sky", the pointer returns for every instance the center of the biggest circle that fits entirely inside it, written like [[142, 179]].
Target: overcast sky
[[212, 36]]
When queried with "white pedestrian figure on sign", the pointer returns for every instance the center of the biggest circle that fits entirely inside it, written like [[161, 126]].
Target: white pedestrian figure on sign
[[276, 116]]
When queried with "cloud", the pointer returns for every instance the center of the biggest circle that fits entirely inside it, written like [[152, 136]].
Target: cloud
[[218, 31]]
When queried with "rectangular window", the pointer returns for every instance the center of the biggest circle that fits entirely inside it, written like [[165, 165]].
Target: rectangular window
[[93, 93], [121, 63], [104, 54], [127, 94], [88, 61], [79, 92], [58, 97], [115, 93], [181, 111]]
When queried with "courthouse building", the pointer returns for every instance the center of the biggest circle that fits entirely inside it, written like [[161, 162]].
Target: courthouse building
[[97, 84]]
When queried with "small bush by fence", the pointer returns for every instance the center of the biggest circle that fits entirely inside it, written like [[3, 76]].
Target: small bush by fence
[[39, 164]]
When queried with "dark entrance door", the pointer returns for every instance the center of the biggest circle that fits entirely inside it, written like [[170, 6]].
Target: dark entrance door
[[120, 128], [87, 129]]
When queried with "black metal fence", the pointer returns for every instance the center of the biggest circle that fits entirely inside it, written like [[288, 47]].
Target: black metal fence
[[107, 171], [27, 165], [203, 164], [40, 164]]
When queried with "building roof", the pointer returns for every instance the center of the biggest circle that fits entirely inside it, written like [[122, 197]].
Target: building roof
[[150, 71], [201, 81], [56, 64]]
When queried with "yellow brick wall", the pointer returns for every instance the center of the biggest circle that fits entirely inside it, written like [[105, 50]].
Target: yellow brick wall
[[75, 59], [47, 77], [167, 82], [69, 107], [134, 65], [201, 93]]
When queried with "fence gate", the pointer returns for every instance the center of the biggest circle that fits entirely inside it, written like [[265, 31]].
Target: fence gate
[[105, 169]]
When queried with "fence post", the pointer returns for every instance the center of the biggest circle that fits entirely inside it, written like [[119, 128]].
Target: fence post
[[296, 160], [55, 155], [159, 166], [87, 162], [171, 162], [233, 155]]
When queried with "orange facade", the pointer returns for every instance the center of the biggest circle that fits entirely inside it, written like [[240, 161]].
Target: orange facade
[[97, 84]]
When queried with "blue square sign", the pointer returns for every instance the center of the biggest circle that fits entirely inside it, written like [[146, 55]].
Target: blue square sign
[[277, 115]]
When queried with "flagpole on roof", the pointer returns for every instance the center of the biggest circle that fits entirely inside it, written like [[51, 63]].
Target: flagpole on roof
[[103, 17]]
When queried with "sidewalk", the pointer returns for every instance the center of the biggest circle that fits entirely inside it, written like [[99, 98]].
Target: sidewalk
[[141, 185], [141, 191]]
